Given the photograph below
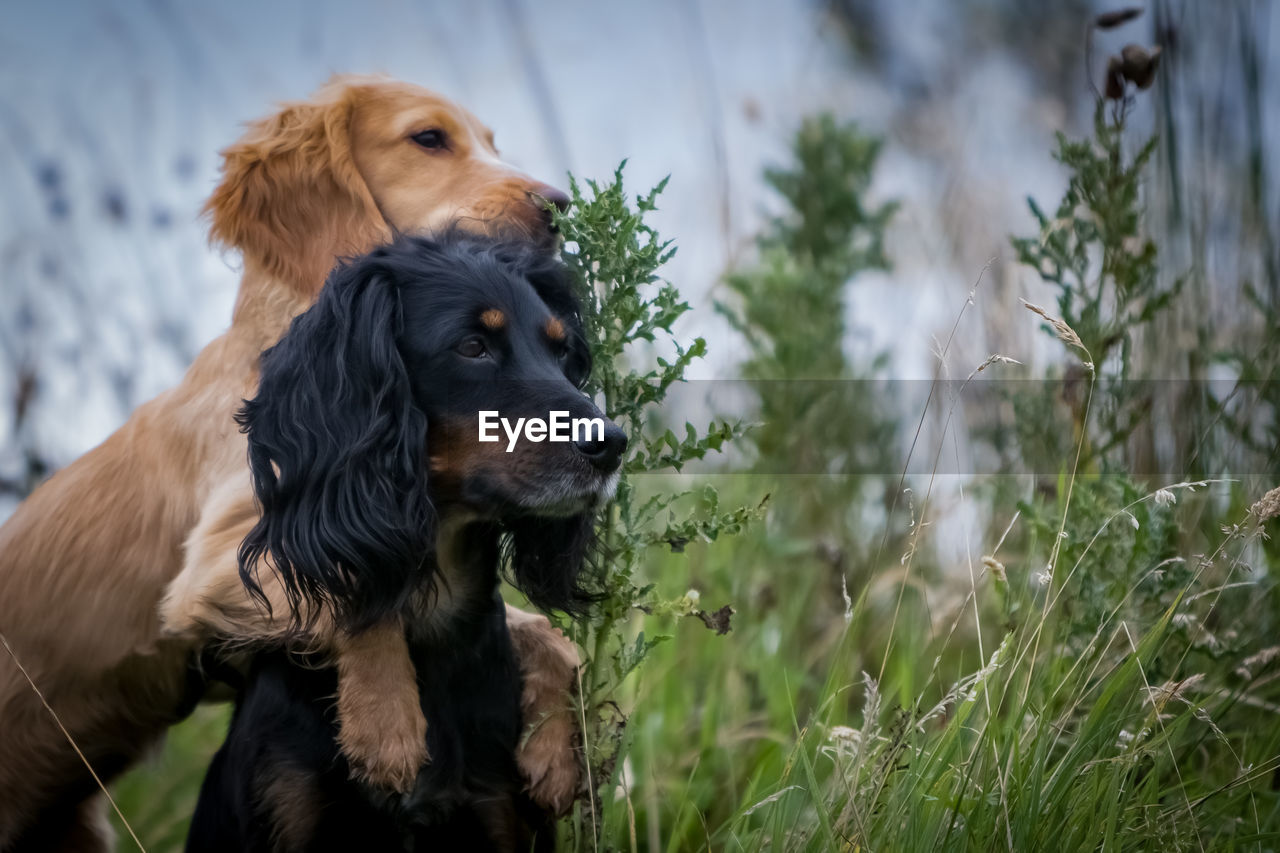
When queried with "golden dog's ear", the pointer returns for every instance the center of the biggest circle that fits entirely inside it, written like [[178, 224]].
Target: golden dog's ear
[[291, 196]]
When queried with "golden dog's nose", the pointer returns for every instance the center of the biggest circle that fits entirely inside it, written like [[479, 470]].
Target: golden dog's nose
[[545, 192]]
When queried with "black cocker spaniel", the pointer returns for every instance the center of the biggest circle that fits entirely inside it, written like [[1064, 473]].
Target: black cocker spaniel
[[378, 498]]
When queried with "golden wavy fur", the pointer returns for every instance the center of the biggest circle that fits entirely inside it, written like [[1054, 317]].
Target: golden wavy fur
[[86, 559]]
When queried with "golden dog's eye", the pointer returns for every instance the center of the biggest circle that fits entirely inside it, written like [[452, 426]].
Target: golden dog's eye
[[473, 348], [430, 139]]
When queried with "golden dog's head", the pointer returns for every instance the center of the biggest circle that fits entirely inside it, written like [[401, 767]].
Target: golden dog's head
[[365, 158]]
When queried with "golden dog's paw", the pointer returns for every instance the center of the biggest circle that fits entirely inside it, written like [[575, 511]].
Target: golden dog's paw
[[548, 761], [381, 729], [384, 741]]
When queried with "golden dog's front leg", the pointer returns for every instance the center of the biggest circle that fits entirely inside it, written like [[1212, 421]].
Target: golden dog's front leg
[[207, 599], [382, 730], [548, 754]]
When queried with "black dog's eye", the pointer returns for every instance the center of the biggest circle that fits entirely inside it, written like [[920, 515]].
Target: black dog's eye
[[473, 348], [430, 139]]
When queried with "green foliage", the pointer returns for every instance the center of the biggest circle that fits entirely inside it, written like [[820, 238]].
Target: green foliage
[[159, 796], [1111, 706], [790, 308], [699, 745], [1120, 536], [616, 258], [1104, 714], [826, 422], [829, 226], [1102, 697], [1093, 251]]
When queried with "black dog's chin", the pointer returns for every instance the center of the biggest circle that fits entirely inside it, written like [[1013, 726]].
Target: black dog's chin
[[555, 498], [564, 507]]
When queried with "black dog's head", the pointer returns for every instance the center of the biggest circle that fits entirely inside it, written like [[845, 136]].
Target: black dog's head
[[366, 426]]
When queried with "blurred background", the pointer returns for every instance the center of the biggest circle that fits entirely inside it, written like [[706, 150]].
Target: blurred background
[[113, 113], [942, 115]]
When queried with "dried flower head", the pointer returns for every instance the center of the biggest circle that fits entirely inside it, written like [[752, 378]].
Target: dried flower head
[[1173, 690], [1138, 64], [996, 568], [1254, 664], [996, 359], [1268, 506], [1065, 333], [844, 735]]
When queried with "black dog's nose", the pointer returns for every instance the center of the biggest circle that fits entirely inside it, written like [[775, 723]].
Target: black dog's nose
[[606, 454]]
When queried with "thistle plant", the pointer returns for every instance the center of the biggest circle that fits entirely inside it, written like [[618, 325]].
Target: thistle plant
[[616, 258]]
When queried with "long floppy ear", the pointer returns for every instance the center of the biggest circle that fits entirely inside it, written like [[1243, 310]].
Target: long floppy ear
[[291, 196], [546, 558], [336, 454]]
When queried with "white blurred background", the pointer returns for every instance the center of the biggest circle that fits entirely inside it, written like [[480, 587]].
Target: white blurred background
[[112, 113]]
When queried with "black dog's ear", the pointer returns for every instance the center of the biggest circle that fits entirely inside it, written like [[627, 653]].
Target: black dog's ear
[[336, 447], [546, 557]]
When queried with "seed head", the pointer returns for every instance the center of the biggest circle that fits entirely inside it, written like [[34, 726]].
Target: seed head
[[1268, 506], [1138, 65]]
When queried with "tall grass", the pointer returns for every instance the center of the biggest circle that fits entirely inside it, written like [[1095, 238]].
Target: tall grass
[[1108, 679]]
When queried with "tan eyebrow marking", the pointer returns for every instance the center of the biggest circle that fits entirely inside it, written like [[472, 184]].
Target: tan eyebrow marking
[[555, 329], [493, 319]]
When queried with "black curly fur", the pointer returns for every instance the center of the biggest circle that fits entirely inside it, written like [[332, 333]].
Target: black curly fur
[[339, 438]]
